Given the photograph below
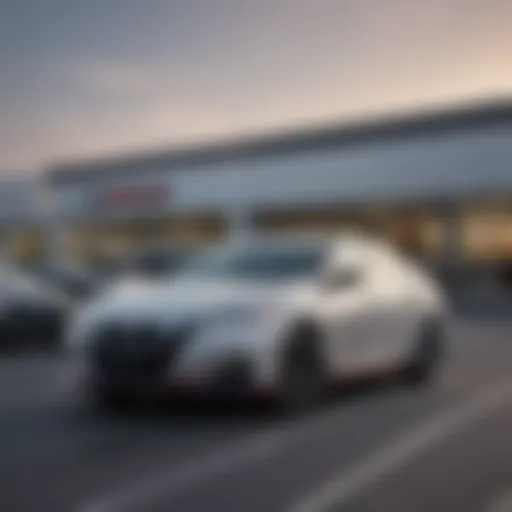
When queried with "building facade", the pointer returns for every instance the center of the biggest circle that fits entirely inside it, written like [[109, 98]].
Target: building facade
[[435, 182]]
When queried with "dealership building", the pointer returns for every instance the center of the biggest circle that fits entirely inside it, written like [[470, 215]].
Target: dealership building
[[437, 182]]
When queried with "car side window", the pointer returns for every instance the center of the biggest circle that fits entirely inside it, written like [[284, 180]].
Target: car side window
[[345, 272], [345, 277]]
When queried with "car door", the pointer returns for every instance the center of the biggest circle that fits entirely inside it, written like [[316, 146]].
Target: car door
[[344, 305], [372, 311], [391, 311], [412, 309], [388, 310], [372, 322]]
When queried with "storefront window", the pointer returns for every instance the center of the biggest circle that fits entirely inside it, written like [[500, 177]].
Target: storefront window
[[327, 220], [487, 232], [25, 244], [115, 240], [416, 230]]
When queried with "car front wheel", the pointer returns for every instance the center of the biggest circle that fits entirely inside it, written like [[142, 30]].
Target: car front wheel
[[303, 382], [426, 353], [111, 402]]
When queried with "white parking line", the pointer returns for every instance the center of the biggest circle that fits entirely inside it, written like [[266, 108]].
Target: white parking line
[[501, 503], [341, 488], [231, 457]]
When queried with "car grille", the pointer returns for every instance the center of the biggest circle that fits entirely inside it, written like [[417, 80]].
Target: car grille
[[233, 377], [137, 351]]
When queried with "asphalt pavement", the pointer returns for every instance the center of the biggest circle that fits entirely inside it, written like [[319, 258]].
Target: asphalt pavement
[[378, 447]]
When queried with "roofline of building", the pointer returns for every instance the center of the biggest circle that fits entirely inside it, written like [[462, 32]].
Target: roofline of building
[[419, 123]]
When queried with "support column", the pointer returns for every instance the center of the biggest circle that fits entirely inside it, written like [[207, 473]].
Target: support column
[[52, 224], [451, 257]]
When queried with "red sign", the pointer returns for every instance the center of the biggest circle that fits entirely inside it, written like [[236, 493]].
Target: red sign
[[128, 197]]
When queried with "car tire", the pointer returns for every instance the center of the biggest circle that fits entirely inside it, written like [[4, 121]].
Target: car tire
[[426, 354], [111, 402], [303, 379]]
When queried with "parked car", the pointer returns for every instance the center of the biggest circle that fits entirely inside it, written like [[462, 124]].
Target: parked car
[[78, 282], [31, 312], [281, 319]]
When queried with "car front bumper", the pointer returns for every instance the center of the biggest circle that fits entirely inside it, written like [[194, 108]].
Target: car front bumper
[[142, 358], [232, 378]]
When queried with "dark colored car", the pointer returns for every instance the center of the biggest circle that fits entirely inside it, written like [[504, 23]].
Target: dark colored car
[[30, 311], [72, 280]]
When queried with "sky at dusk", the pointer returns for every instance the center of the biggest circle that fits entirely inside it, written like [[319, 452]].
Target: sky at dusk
[[95, 77]]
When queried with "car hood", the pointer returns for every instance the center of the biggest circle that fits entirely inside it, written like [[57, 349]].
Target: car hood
[[188, 298]]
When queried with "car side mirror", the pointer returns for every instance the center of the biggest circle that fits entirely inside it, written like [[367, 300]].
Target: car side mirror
[[340, 280]]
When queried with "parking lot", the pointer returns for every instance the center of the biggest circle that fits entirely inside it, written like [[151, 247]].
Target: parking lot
[[445, 447]]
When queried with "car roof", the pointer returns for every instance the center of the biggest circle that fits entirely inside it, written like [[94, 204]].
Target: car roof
[[162, 249], [334, 240]]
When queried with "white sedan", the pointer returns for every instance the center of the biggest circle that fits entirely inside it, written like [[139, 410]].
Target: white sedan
[[280, 318]]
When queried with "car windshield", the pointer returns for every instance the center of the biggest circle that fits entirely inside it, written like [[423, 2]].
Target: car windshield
[[157, 263], [264, 261]]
